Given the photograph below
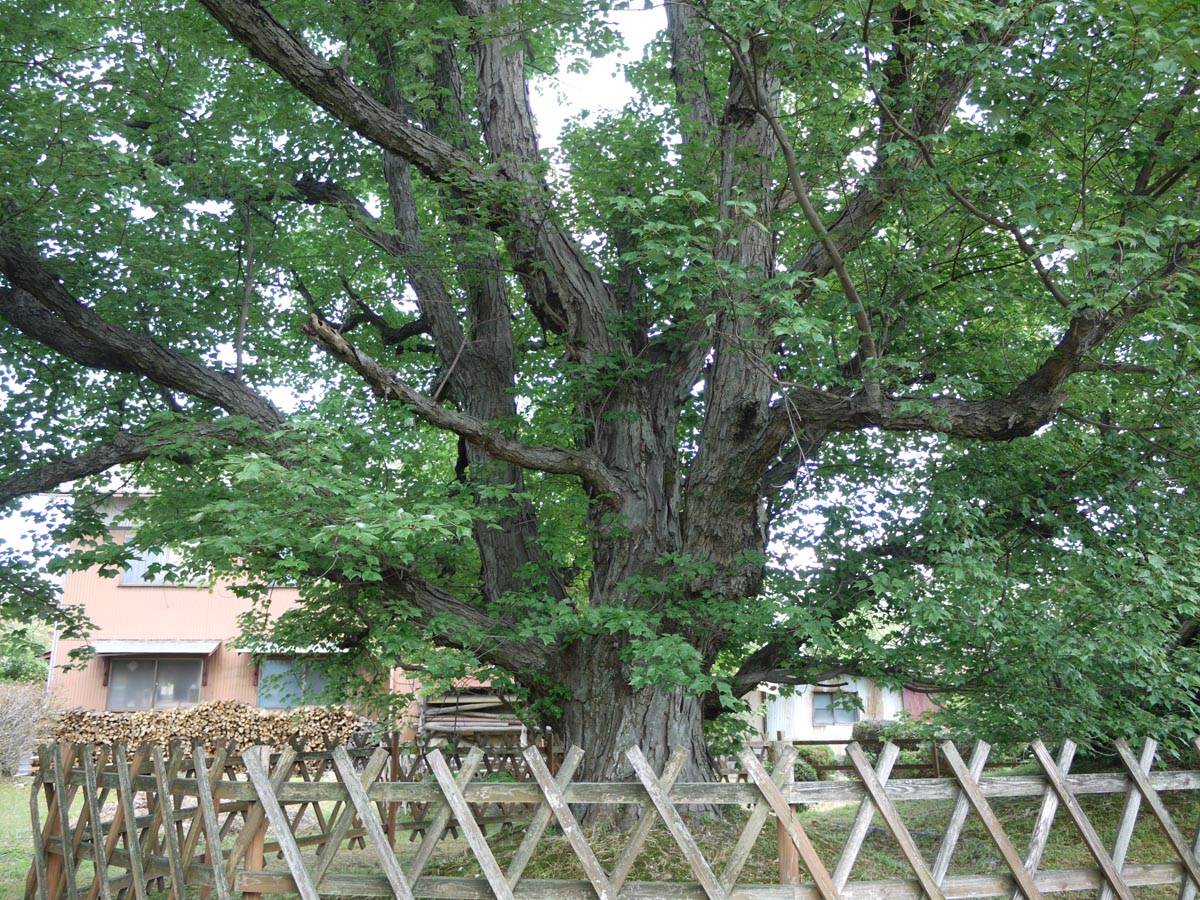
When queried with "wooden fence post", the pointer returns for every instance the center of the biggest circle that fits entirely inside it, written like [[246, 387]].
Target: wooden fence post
[[255, 857], [789, 856], [393, 807]]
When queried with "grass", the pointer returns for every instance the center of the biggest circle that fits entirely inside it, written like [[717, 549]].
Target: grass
[[15, 844], [661, 860]]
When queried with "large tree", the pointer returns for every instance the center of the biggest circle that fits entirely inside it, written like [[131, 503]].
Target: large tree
[[910, 283]]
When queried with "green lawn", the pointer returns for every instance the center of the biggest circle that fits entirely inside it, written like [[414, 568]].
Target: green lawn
[[15, 844]]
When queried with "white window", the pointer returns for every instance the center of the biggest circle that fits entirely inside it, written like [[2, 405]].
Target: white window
[[137, 573], [153, 683], [284, 683], [834, 708]]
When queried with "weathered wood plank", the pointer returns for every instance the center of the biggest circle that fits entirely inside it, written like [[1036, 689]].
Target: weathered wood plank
[[167, 805], [342, 824], [128, 813], [798, 794], [541, 818], [279, 819], [957, 887], [192, 839], [570, 826], [890, 816], [62, 761], [114, 827], [1075, 811], [1188, 889], [441, 819], [958, 816], [670, 816], [740, 854], [368, 817], [1040, 835], [470, 828], [787, 819], [208, 818], [253, 820], [38, 872], [1129, 814], [862, 819], [994, 829], [1170, 829], [647, 819], [91, 797]]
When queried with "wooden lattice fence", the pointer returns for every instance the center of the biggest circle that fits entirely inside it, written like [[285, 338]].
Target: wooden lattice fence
[[173, 817]]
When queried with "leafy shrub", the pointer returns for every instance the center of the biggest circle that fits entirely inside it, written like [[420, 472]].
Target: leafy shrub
[[26, 711], [804, 771], [808, 758], [871, 731]]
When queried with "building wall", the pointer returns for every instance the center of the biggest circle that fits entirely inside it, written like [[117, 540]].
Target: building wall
[[157, 612], [791, 717]]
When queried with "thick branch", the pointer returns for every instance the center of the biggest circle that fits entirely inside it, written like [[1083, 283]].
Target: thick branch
[[688, 65], [328, 86], [514, 655], [38, 305], [996, 419], [776, 664], [387, 386], [123, 448], [564, 291]]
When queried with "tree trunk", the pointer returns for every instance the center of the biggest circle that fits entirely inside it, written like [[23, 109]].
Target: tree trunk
[[605, 716]]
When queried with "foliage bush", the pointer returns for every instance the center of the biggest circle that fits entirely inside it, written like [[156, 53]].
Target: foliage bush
[[808, 758], [26, 711], [22, 648]]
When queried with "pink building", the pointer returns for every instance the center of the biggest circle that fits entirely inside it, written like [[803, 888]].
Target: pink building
[[160, 645]]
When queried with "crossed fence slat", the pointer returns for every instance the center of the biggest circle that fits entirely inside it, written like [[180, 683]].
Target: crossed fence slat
[[958, 817], [1086, 830], [862, 819], [441, 819], [1128, 820], [1189, 888], [891, 817], [374, 828], [983, 809], [754, 825], [474, 836], [1040, 835], [164, 843], [674, 822], [208, 818], [787, 819], [166, 804], [541, 818], [1160, 811], [95, 801]]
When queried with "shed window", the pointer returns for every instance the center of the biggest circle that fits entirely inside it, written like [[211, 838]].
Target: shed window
[[285, 683], [835, 708], [153, 683]]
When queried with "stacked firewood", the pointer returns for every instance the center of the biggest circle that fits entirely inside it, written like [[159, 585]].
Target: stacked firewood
[[213, 724]]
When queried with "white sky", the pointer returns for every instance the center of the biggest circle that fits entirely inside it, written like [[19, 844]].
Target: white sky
[[604, 87]]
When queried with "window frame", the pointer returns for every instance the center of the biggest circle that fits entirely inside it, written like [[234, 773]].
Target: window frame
[[167, 557], [835, 709], [201, 679], [308, 696]]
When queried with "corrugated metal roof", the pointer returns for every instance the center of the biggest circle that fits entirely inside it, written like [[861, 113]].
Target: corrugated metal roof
[[154, 648]]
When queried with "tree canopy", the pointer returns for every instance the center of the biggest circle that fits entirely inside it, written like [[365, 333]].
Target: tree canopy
[[862, 340]]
